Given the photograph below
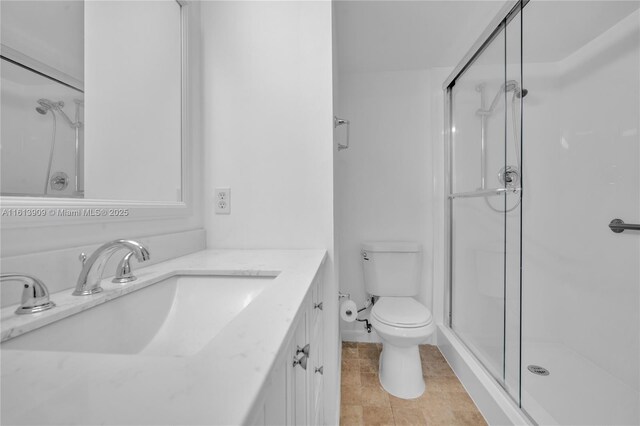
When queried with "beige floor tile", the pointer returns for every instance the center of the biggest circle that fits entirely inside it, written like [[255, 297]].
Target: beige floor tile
[[461, 401], [445, 401], [400, 404], [408, 417], [437, 369], [470, 418], [350, 364], [351, 415], [350, 394], [439, 418], [435, 401], [370, 351], [349, 353], [368, 365], [374, 416], [374, 396], [444, 384], [369, 379], [351, 377]]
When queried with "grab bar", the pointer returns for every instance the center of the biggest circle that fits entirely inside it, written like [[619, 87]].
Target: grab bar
[[484, 192], [339, 122], [618, 226]]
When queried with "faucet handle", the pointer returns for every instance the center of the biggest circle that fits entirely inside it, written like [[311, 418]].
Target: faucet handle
[[35, 295], [123, 271]]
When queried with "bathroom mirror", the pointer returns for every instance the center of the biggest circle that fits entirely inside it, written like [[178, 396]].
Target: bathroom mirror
[[92, 100]]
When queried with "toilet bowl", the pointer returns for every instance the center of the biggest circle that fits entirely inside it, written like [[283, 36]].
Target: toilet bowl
[[402, 323]]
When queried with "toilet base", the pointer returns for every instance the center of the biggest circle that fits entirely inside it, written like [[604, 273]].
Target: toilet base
[[401, 371]]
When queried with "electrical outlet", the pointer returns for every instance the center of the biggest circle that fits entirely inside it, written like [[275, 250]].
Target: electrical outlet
[[223, 201]]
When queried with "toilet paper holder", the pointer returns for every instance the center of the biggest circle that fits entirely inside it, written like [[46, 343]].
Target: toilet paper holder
[[370, 301]]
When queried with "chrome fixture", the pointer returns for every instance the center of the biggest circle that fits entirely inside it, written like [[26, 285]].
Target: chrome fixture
[[35, 295], [45, 105], [59, 181], [123, 271], [304, 358], [509, 175], [618, 226], [484, 193], [92, 268], [317, 306], [536, 369], [339, 122]]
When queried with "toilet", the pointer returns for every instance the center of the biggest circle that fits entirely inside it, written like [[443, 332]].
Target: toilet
[[392, 274]]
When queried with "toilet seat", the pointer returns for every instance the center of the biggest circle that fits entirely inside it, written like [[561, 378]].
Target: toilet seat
[[404, 312]]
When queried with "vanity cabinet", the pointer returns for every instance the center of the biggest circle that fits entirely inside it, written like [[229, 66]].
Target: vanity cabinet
[[293, 392]]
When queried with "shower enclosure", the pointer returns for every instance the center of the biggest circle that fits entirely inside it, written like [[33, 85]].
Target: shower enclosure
[[543, 122]]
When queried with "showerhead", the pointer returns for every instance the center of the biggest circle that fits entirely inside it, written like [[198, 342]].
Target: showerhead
[[42, 110], [513, 85]]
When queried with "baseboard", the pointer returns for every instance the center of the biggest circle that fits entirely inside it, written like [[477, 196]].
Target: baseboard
[[363, 336], [360, 336], [493, 402]]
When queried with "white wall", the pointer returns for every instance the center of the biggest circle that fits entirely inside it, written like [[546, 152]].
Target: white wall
[[384, 183], [268, 130]]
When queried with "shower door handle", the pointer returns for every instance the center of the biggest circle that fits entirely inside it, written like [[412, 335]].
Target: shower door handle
[[618, 226]]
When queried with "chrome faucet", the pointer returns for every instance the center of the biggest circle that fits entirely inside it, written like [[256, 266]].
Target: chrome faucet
[[92, 268], [35, 295]]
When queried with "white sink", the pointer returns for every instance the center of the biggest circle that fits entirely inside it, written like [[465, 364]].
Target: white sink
[[175, 317]]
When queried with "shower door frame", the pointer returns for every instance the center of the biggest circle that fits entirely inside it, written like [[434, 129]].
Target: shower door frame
[[510, 9]]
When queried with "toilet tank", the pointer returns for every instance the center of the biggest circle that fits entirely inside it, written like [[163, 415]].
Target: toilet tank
[[391, 268]]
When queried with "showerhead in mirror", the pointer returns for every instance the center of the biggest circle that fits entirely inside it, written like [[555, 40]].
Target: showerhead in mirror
[[45, 105]]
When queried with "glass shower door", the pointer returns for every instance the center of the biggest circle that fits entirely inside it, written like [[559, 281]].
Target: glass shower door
[[485, 205], [580, 280]]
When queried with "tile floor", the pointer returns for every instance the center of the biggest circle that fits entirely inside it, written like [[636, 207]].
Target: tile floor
[[364, 402]]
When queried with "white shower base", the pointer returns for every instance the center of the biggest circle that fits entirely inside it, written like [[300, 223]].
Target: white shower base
[[576, 391]]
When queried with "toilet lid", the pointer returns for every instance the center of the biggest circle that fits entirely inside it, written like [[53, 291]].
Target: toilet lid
[[401, 311]]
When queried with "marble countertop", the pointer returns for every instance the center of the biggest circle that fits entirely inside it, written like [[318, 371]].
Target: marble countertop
[[218, 385]]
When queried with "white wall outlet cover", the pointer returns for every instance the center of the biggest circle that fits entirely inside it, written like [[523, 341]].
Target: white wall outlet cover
[[222, 200]]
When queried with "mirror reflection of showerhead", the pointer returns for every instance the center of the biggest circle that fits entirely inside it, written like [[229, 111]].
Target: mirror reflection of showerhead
[[45, 105]]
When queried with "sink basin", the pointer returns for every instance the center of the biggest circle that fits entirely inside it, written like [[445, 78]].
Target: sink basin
[[174, 317]]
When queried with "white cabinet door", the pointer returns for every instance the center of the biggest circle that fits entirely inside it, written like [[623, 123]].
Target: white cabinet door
[[300, 371], [317, 353], [294, 393]]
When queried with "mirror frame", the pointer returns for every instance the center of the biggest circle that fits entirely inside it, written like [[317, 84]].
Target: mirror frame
[[42, 211]]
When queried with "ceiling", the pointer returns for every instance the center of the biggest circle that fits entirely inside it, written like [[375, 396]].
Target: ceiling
[[402, 35]]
